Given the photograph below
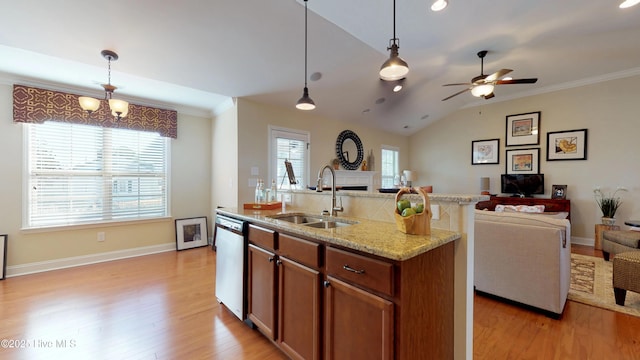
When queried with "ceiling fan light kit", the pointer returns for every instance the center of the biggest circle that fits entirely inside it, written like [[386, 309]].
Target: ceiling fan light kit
[[483, 85], [119, 108], [439, 5], [305, 102], [395, 68]]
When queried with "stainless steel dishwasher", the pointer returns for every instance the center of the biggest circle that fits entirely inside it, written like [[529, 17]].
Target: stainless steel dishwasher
[[230, 264]]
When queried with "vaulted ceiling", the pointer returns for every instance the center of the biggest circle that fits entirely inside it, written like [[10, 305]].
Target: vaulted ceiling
[[199, 54]]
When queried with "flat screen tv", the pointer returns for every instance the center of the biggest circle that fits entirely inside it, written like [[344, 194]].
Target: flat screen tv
[[522, 184]]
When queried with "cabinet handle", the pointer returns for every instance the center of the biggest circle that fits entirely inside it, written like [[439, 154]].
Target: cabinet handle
[[279, 262], [327, 284], [271, 259], [349, 268]]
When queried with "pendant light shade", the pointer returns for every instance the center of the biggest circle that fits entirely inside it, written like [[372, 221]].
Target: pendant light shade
[[395, 68], [305, 102]]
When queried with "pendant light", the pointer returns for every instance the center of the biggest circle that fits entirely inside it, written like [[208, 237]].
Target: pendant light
[[305, 102], [119, 108], [394, 68]]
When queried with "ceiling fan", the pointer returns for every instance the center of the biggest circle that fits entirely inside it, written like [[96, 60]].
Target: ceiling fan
[[482, 85]]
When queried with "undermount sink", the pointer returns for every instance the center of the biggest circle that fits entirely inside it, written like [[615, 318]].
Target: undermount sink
[[314, 221], [328, 224]]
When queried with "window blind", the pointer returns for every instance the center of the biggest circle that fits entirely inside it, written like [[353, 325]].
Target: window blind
[[80, 174]]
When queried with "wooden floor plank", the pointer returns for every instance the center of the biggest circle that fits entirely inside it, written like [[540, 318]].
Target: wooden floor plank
[[163, 306]]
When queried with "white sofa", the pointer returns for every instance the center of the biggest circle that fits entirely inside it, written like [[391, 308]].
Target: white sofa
[[525, 258]]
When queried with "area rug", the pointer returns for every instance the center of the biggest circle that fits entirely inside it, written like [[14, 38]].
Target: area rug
[[591, 284]]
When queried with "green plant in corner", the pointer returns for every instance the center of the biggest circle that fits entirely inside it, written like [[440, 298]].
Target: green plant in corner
[[608, 203]]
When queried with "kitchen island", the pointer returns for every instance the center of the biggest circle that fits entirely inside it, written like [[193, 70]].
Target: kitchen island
[[455, 213], [365, 290]]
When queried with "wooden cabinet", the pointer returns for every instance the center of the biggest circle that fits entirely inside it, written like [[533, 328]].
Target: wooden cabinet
[[289, 315], [358, 324], [261, 283], [298, 310]]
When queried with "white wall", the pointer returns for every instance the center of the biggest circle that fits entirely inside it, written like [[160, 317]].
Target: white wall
[[609, 110], [190, 196]]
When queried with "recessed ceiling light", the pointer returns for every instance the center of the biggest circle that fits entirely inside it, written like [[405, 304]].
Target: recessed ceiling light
[[380, 100], [315, 76], [397, 88], [424, 116], [628, 3], [366, 111], [439, 5], [406, 126]]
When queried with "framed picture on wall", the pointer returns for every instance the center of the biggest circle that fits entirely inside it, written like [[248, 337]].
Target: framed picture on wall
[[191, 233], [3, 256], [523, 129], [567, 145], [484, 152], [523, 161]]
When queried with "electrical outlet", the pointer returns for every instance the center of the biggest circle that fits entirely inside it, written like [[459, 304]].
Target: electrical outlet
[[101, 236]]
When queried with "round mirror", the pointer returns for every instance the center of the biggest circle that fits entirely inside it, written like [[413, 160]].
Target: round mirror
[[349, 150]]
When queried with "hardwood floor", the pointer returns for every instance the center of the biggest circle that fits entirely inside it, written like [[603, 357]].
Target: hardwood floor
[[163, 306]]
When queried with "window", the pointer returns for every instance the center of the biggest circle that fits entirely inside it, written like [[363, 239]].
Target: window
[[389, 166], [78, 174], [292, 145]]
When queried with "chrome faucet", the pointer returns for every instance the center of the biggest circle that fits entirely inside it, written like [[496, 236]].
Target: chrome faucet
[[334, 208]]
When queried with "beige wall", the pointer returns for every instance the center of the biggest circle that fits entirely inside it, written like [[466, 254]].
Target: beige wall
[[610, 112], [253, 138], [190, 194]]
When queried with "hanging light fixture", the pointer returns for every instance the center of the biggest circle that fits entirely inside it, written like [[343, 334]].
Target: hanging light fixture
[[305, 102], [394, 68], [119, 108]]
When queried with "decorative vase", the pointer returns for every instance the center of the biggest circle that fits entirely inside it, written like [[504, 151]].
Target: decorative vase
[[608, 221]]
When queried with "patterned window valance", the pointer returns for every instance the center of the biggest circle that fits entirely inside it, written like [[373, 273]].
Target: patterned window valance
[[34, 105]]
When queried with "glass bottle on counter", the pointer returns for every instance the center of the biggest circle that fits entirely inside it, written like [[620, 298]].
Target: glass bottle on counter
[[259, 196], [273, 197]]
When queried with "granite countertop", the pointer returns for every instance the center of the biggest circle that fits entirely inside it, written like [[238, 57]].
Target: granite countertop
[[369, 236]]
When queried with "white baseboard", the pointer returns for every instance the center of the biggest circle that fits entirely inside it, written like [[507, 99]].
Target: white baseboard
[[582, 241], [42, 266]]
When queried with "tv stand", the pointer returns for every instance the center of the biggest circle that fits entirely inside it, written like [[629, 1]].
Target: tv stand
[[550, 205]]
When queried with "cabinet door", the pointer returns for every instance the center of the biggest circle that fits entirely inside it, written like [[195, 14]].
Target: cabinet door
[[299, 310], [261, 290], [358, 324]]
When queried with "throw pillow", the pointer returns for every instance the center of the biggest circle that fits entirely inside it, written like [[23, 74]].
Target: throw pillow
[[520, 208]]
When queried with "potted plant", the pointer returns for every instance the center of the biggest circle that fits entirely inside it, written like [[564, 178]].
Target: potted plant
[[608, 204]]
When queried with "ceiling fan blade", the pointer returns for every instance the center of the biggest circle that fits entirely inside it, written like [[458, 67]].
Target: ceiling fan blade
[[456, 94], [498, 74], [517, 81], [456, 84]]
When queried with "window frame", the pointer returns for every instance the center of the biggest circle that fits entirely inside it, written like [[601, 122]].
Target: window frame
[[301, 135], [27, 181], [397, 164]]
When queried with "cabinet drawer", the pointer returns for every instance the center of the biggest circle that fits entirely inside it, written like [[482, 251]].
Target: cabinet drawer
[[373, 274], [302, 251], [262, 237]]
